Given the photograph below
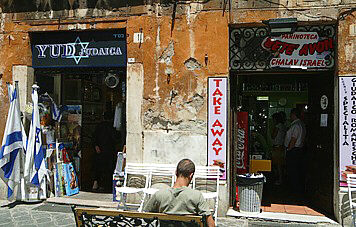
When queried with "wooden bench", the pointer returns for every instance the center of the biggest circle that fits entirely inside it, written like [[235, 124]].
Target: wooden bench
[[105, 217]]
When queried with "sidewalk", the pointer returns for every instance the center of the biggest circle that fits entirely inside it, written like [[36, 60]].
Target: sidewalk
[[50, 214]]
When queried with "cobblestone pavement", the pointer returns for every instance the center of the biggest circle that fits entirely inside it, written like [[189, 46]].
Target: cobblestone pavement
[[35, 214], [48, 215]]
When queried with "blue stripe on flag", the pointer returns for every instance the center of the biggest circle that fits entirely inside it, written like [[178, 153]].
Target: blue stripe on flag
[[39, 158], [9, 192], [10, 139], [14, 95], [8, 167], [35, 180]]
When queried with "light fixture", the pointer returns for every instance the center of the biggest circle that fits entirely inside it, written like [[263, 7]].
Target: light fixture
[[279, 26]]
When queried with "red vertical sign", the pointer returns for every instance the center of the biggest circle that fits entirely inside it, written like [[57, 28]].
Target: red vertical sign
[[242, 142]]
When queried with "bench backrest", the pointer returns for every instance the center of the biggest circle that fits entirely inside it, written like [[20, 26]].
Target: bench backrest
[[106, 217]]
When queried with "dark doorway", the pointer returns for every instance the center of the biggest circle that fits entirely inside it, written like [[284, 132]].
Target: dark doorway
[[313, 93]]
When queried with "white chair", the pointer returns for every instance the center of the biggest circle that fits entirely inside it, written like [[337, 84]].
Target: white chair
[[351, 185], [136, 180], [210, 176], [160, 174]]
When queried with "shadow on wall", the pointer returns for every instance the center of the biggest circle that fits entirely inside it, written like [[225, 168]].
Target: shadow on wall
[[18, 6]]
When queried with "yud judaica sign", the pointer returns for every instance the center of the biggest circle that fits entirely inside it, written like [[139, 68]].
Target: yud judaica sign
[[101, 48]]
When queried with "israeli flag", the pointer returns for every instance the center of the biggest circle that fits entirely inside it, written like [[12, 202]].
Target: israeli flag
[[35, 167], [56, 111], [13, 144]]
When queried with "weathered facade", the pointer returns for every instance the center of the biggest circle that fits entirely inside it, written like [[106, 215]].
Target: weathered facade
[[184, 43]]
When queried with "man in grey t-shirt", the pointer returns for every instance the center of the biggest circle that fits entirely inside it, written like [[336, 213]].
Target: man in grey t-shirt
[[180, 199]]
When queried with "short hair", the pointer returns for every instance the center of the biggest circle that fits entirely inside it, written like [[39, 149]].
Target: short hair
[[185, 167], [296, 112]]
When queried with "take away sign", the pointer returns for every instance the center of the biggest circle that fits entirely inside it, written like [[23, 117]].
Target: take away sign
[[217, 123]]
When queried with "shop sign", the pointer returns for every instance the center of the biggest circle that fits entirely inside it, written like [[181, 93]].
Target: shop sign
[[299, 50], [310, 47], [347, 127], [217, 123], [104, 48], [242, 142]]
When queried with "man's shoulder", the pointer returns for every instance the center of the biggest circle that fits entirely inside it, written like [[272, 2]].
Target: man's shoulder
[[192, 192], [170, 191]]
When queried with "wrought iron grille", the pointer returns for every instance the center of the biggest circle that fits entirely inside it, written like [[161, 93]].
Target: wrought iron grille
[[121, 220], [247, 54]]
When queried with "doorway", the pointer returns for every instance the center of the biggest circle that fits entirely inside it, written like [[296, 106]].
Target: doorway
[[263, 96], [89, 97]]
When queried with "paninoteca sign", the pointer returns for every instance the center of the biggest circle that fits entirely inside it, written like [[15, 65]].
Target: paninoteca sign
[[105, 48], [299, 50]]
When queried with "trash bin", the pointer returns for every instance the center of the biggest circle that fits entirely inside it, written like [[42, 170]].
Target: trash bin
[[250, 188]]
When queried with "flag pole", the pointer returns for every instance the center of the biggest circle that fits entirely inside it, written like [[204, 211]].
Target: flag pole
[[21, 186], [8, 91]]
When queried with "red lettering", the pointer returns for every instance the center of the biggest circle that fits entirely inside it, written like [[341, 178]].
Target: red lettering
[[217, 92], [291, 48], [312, 47], [217, 142], [273, 62], [320, 47], [284, 46], [304, 50], [217, 150], [217, 109], [268, 43], [328, 43], [217, 132], [276, 45], [217, 123], [217, 82], [216, 101]]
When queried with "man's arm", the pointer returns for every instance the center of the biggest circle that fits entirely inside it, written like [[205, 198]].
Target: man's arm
[[210, 221], [151, 205], [292, 142]]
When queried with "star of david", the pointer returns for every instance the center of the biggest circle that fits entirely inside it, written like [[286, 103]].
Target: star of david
[[84, 45], [38, 135]]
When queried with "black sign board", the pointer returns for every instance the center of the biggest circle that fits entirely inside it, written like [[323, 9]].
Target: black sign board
[[100, 48]]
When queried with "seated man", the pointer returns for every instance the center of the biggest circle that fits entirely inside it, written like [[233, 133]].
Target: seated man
[[180, 199]]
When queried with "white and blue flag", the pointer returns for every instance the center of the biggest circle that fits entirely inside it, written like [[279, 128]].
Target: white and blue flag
[[35, 167], [56, 111], [13, 144]]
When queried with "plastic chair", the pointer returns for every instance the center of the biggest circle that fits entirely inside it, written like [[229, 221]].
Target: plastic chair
[[208, 174], [351, 185], [160, 173], [136, 181]]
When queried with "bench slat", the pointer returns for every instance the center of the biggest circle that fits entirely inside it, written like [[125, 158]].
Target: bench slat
[[200, 220]]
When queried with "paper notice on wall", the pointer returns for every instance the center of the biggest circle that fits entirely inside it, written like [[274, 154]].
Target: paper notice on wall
[[347, 127], [323, 120]]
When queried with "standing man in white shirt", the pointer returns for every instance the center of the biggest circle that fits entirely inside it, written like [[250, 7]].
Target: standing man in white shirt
[[294, 144]]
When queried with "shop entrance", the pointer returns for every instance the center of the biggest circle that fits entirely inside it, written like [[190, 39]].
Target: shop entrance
[[89, 98], [261, 97]]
